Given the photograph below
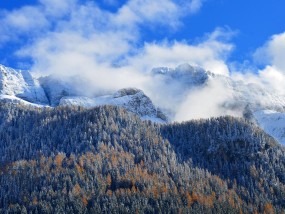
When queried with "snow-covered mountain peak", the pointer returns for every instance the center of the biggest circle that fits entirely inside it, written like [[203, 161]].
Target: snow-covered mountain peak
[[184, 74], [126, 91], [132, 99], [21, 84]]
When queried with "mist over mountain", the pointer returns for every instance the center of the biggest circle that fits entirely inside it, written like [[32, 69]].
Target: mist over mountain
[[172, 94]]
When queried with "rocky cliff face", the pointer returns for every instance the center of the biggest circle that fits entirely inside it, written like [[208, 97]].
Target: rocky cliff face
[[21, 84]]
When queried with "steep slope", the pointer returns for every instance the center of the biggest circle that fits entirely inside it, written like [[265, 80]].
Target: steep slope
[[21, 84], [105, 159]]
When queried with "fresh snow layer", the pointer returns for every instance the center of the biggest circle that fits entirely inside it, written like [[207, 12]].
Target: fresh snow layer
[[21, 84], [273, 123], [16, 100], [131, 99]]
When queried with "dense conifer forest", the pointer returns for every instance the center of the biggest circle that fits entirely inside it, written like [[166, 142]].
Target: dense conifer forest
[[106, 160]]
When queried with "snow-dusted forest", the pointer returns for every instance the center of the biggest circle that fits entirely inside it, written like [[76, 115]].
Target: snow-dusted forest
[[105, 159]]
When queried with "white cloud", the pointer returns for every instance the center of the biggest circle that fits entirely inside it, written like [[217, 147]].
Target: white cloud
[[206, 102], [107, 38], [273, 78], [57, 8], [209, 54], [166, 12], [273, 52], [272, 56], [88, 41], [53, 15], [195, 5], [24, 21]]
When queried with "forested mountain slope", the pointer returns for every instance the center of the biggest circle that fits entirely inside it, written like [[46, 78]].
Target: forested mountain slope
[[76, 160]]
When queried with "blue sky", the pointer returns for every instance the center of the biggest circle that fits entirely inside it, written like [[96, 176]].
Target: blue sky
[[243, 28], [255, 22]]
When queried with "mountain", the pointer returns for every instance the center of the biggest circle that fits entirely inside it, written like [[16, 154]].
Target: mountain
[[242, 96], [20, 86], [105, 159], [243, 99], [264, 107]]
